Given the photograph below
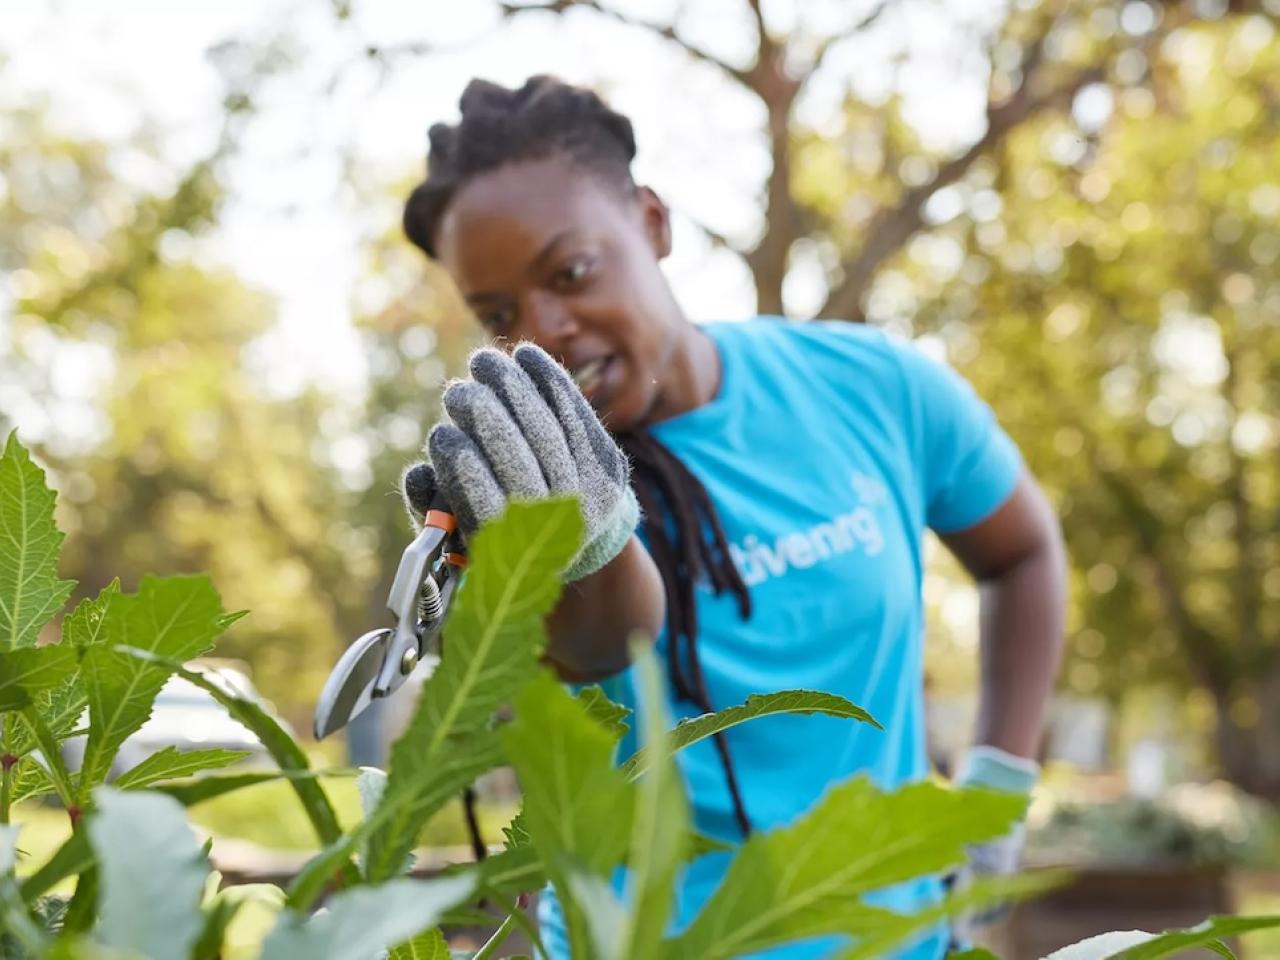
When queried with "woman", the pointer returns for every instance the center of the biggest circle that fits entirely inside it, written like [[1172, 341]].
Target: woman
[[785, 472]]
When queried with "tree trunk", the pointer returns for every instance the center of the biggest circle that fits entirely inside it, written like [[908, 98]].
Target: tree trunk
[[1248, 740]]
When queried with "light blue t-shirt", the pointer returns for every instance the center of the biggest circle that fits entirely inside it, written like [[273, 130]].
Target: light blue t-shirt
[[827, 451]]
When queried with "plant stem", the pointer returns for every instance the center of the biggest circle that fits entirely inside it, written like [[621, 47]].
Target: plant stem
[[6, 784], [515, 911], [494, 942]]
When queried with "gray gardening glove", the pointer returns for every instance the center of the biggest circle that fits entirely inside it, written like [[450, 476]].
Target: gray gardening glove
[[522, 430]]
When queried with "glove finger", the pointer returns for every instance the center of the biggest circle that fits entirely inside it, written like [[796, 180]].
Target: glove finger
[[418, 489], [464, 477], [536, 421], [598, 457], [479, 413]]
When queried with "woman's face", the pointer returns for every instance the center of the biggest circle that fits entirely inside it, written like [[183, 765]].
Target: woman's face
[[544, 251]]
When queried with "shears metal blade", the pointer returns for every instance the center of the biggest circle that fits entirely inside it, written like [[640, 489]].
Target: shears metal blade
[[379, 662]]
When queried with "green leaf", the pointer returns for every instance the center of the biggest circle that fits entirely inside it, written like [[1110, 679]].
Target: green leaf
[[151, 874], [977, 953], [15, 919], [365, 920], [175, 618], [577, 804], [282, 747], [511, 872], [804, 880], [659, 825], [30, 779], [200, 789], [24, 672], [879, 938], [493, 638], [170, 763], [30, 591], [430, 945], [610, 715], [54, 768], [72, 858], [85, 626], [1139, 945], [693, 729]]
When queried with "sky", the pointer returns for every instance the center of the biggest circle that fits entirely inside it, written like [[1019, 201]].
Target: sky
[[295, 222]]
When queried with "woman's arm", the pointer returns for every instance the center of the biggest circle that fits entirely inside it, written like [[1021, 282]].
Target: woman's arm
[[1018, 559], [596, 616]]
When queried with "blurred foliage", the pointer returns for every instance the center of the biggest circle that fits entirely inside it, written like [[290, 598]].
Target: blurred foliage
[[1102, 264], [1191, 825], [1112, 287]]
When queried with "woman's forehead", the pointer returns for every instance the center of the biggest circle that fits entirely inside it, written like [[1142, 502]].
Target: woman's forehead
[[504, 218]]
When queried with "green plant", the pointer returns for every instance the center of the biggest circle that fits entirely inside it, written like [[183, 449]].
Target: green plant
[[144, 884]]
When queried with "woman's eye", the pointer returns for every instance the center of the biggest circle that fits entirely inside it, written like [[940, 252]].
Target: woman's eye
[[572, 273], [499, 320]]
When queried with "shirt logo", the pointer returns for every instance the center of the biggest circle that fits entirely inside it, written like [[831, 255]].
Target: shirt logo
[[857, 529]]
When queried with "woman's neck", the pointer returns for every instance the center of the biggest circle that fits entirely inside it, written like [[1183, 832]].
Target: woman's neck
[[692, 375]]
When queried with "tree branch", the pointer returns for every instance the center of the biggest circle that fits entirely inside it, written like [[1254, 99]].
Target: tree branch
[[864, 23], [667, 32], [890, 229]]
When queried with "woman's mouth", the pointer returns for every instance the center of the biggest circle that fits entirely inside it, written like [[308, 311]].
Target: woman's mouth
[[590, 375]]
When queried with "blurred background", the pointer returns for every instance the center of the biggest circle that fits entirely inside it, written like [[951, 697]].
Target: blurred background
[[216, 339]]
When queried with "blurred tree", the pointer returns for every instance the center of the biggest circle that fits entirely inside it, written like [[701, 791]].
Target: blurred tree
[[1111, 282], [128, 358]]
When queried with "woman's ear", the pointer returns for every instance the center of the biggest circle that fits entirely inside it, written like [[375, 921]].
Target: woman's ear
[[656, 219]]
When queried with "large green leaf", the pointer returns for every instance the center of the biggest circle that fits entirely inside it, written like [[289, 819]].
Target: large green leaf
[[170, 763], [659, 827], [882, 934], [1139, 945], [282, 747], [805, 879], [152, 874], [430, 945], [690, 731], [493, 638], [25, 672], [30, 591], [577, 804], [366, 920], [177, 618]]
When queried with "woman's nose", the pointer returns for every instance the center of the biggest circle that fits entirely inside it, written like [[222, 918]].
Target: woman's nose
[[548, 321]]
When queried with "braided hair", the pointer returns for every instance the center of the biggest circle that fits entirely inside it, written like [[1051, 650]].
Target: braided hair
[[545, 118]]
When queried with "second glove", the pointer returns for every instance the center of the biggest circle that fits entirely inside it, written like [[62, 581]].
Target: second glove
[[520, 429]]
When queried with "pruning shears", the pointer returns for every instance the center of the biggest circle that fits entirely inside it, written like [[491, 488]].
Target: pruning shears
[[378, 663]]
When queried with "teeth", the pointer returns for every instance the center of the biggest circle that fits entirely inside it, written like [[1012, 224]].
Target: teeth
[[585, 374]]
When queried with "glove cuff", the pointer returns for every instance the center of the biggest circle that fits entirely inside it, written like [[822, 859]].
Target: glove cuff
[[608, 543], [987, 766]]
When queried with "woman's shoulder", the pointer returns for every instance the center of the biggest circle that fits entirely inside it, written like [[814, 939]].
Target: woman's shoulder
[[817, 345]]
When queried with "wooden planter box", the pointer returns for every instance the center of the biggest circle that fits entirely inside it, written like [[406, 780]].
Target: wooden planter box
[[1101, 899]]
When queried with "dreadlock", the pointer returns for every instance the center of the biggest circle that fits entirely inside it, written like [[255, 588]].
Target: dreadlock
[[546, 118]]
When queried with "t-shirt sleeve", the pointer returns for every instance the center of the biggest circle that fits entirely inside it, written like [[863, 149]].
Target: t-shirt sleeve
[[968, 464]]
